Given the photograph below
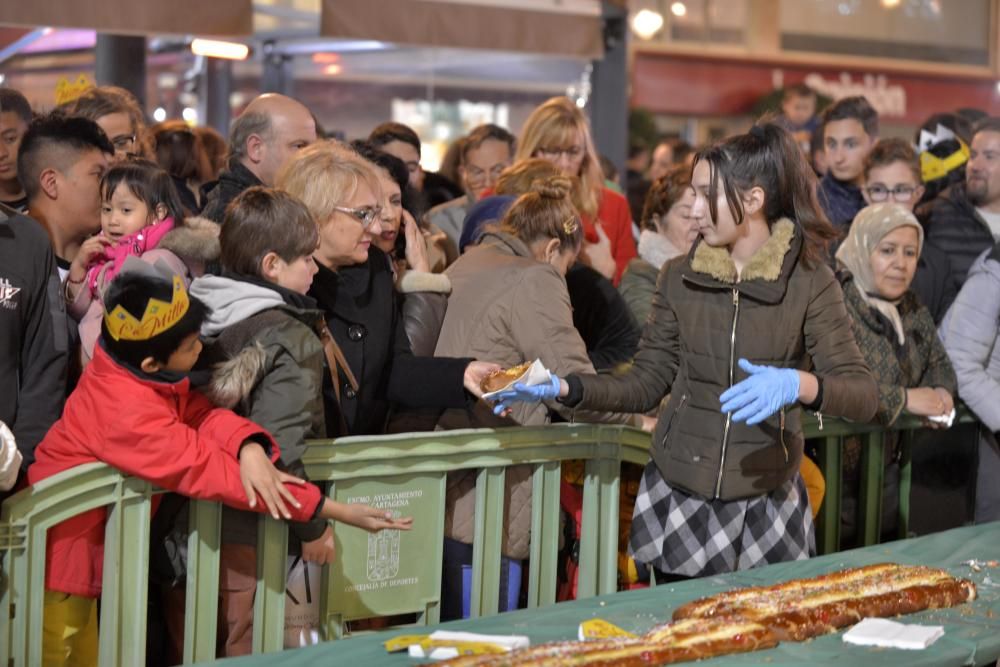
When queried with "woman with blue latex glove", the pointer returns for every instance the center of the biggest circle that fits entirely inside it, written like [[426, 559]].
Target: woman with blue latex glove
[[723, 490], [761, 395]]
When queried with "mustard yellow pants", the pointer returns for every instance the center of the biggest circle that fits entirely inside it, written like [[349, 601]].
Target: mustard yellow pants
[[69, 630]]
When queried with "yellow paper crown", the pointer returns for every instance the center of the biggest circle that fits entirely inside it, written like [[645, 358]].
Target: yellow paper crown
[[67, 91], [159, 316], [933, 167]]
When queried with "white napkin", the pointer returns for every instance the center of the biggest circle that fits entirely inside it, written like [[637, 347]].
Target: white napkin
[[944, 419], [509, 642], [536, 374], [890, 634]]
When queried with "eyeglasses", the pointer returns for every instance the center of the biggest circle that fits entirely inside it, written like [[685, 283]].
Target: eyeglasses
[[573, 152], [475, 176], [123, 142], [366, 215], [900, 193]]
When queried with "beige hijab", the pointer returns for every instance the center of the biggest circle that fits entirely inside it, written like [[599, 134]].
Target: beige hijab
[[870, 226]]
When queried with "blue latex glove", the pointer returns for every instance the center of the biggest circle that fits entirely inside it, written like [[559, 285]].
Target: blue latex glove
[[767, 390], [521, 393]]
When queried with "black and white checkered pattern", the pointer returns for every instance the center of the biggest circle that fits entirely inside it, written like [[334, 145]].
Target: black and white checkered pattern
[[683, 534]]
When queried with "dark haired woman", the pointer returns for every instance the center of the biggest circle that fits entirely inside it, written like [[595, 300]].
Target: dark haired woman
[[668, 231], [735, 324]]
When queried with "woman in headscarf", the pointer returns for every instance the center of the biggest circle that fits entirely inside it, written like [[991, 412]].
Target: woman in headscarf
[[896, 335]]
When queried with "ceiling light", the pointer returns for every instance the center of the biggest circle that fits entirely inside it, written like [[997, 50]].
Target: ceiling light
[[333, 69], [216, 49], [159, 114], [679, 9], [647, 23]]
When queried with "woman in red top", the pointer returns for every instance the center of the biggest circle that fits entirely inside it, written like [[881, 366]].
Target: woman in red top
[[558, 131]]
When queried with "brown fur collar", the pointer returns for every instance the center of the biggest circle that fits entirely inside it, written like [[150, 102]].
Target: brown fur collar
[[233, 380], [764, 265], [197, 240]]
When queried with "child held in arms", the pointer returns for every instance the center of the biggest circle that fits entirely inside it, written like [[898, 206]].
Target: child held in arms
[[134, 410]]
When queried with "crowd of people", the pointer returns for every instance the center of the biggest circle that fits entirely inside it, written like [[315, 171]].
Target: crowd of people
[[192, 310]]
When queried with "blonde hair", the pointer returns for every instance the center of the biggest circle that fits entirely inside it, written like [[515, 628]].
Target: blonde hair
[[557, 123], [518, 177], [545, 212], [325, 175]]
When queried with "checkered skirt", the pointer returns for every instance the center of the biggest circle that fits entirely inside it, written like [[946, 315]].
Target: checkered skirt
[[679, 533]]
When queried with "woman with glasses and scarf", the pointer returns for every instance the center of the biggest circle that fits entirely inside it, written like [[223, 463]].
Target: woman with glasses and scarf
[[355, 288], [558, 131], [893, 174]]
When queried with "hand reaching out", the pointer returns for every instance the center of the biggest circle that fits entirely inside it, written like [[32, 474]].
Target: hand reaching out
[[475, 373], [259, 476], [370, 518]]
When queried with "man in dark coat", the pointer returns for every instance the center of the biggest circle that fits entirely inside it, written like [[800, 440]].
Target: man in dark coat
[[33, 338], [269, 130], [965, 219]]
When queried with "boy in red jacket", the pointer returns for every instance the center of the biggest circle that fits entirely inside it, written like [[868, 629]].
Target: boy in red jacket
[[134, 410]]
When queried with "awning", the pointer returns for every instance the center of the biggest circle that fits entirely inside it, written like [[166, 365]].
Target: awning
[[566, 28], [201, 17]]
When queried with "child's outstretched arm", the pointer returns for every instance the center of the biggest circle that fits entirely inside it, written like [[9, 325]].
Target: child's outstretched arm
[[365, 517], [202, 463]]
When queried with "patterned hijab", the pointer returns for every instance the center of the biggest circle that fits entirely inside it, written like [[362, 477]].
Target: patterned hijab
[[869, 227]]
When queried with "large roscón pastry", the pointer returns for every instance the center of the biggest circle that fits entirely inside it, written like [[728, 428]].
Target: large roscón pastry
[[497, 380], [691, 639], [803, 608], [749, 619]]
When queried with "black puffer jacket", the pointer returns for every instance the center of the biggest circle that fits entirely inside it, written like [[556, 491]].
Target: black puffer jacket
[[954, 227]]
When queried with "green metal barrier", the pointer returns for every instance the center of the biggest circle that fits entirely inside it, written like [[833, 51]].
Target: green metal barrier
[[345, 465], [829, 440], [414, 468]]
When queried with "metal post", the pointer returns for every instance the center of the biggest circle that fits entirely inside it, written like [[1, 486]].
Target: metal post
[[609, 89], [277, 76], [215, 94], [121, 61]]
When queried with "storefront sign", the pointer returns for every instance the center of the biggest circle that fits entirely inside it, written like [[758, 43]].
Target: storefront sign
[[694, 86]]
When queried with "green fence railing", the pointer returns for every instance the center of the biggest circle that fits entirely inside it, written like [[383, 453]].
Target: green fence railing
[[401, 574], [829, 442], [398, 573]]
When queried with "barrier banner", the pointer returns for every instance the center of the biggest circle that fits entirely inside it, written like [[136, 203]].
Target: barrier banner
[[381, 573]]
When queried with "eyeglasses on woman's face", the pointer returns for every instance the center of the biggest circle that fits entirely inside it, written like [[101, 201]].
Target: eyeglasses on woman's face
[[366, 215], [552, 153], [899, 193]]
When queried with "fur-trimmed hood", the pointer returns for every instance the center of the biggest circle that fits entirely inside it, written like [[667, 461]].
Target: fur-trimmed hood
[[195, 242], [765, 276], [422, 281], [656, 248], [233, 380]]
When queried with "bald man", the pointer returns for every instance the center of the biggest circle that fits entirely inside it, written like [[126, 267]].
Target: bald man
[[269, 131]]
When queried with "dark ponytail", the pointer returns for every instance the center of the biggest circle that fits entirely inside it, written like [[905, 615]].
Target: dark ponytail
[[767, 157]]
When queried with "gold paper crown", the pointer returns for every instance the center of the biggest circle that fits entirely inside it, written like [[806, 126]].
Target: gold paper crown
[[67, 91], [933, 167], [159, 316]]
